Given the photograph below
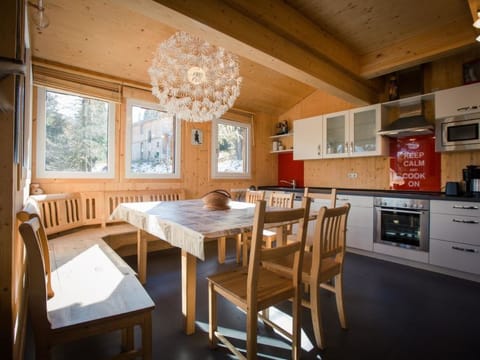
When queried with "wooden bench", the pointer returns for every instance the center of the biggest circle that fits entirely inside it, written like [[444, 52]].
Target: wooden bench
[[79, 287], [76, 211]]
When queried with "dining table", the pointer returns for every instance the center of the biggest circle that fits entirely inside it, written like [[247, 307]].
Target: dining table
[[188, 225]]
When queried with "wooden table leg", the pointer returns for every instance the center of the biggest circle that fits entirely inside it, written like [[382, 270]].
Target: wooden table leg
[[189, 288], [141, 257]]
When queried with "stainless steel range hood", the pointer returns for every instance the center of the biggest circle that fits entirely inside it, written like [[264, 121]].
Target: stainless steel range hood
[[411, 122]]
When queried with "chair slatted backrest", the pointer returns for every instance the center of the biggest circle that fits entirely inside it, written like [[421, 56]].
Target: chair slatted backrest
[[282, 200], [38, 277], [258, 254], [331, 196], [330, 233], [252, 196]]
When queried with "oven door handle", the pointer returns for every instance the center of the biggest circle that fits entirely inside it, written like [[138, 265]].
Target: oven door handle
[[418, 212]]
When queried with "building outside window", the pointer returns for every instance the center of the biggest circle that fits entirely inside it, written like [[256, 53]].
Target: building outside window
[[231, 149], [153, 142], [75, 136]]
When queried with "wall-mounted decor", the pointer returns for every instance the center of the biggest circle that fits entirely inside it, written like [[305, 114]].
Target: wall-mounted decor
[[414, 164], [197, 137], [471, 72]]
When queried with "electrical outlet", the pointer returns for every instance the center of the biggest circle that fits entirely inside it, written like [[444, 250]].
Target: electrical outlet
[[352, 175]]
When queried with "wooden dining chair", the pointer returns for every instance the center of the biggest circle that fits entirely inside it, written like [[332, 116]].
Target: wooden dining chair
[[256, 288], [328, 199], [323, 265], [250, 196], [279, 200]]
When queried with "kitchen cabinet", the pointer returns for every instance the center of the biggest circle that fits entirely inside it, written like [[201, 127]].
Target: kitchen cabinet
[[360, 221], [354, 133], [281, 143], [454, 235], [457, 101], [341, 134], [307, 138]]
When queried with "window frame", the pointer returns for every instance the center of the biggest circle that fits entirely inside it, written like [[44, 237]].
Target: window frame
[[215, 150], [40, 170], [128, 142]]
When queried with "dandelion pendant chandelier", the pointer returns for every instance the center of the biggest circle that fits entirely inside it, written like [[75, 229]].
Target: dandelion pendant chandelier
[[193, 79]]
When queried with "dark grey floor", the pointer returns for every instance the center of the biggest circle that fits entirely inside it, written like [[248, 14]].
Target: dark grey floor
[[394, 312]]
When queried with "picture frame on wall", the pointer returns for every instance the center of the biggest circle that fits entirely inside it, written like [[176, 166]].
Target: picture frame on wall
[[471, 72], [197, 137]]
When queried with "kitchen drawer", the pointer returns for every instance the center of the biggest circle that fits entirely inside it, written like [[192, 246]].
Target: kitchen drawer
[[455, 207], [455, 256], [462, 229], [355, 201]]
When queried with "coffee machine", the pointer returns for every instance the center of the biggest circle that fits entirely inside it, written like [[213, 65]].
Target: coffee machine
[[471, 176]]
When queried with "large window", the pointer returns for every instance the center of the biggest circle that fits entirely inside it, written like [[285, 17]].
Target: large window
[[152, 146], [75, 136], [231, 149]]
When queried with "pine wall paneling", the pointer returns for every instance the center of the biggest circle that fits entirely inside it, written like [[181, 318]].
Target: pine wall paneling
[[195, 159], [373, 171]]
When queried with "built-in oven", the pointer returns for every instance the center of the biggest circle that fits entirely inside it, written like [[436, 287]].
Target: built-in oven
[[402, 222]]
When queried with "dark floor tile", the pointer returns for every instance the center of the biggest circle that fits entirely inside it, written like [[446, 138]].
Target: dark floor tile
[[393, 311]]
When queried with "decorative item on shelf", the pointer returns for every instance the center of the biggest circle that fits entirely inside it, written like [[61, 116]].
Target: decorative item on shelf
[[392, 88], [193, 79], [216, 200], [275, 145], [282, 127]]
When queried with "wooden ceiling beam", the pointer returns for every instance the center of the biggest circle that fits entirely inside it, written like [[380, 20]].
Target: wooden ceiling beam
[[287, 21], [225, 26], [427, 46]]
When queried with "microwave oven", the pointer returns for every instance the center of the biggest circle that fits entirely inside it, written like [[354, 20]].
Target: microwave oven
[[458, 133]]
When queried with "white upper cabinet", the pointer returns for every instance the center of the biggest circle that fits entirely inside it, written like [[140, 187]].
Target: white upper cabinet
[[307, 138], [457, 101], [335, 134], [354, 133], [365, 123]]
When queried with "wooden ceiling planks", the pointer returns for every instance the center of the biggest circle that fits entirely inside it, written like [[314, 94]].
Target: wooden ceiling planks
[[290, 48]]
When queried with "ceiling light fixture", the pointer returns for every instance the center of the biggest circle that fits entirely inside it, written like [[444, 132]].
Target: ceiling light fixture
[[193, 79], [38, 16]]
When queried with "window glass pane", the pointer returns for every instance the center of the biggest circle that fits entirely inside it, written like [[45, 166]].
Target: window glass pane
[[76, 134], [153, 138], [232, 148]]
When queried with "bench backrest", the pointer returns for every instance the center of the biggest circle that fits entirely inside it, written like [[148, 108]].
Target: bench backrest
[[67, 211]]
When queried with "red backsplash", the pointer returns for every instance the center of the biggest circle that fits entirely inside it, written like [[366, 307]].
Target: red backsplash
[[289, 169], [414, 164]]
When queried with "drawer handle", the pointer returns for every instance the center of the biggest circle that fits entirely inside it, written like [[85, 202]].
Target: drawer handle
[[471, 207], [465, 108], [465, 221], [464, 249]]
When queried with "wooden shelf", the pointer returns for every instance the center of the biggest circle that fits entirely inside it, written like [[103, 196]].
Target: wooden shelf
[[281, 151], [281, 135]]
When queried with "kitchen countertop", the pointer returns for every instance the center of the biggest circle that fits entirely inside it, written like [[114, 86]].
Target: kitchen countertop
[[378, 193]]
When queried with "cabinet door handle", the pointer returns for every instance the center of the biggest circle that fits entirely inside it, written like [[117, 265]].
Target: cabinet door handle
[[319, 148], [351, 147], [465, 207], [465, 221], [458, 248]]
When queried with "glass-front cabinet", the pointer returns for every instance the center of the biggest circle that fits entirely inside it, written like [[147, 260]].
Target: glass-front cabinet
[[335, 131], [354, 133], [364, 125]]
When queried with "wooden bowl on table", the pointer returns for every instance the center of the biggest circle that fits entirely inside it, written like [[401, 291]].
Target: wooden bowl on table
[[216, 200]]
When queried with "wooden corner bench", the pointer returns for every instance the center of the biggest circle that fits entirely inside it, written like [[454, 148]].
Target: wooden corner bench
[[79, 287], [66, 212]]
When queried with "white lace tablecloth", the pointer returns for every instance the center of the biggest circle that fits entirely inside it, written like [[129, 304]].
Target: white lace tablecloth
[[186, 223]]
